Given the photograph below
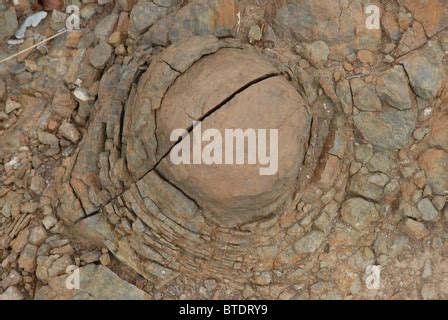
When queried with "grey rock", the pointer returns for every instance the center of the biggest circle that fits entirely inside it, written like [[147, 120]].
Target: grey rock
[[364, 152], [8, 23], [425, 77], [420, 133], [414, 228], [307, 21], [27, 259], [12, 105], [255, 34], [6, 210], [359, 213], [398, 245], [393, 88], [47, 138], [106, 26], [158, 34], [429, 291], [91, 256], [2, 90], [37, 184], [144, 15], [49, 221], [309, 243], [362, 258], [427, 269], [68, 131], [96, 283], [368, 185], [57, 20], [199, 17], [427, 209], [12, 279], [383, 161], [316, 53], [344, 93], [12, 293], [166, 3], [59, 266], [364, 96], [210, 284], [88, 12], [101, 55], [409, 210], [339, 145], [390, 129], [262, 279], [37, 235], [439, 202]]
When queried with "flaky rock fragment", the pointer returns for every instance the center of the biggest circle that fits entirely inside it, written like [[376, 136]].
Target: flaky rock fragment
[[359, 213], [389, 129]]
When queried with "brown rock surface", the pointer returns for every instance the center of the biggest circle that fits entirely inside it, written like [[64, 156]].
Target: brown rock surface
[[86, 178]]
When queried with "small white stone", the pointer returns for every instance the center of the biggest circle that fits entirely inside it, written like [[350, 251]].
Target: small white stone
[[81, 94], [12, 105], [49, 222]]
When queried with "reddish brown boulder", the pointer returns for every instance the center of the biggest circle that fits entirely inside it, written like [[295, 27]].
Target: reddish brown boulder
[[234, 89]]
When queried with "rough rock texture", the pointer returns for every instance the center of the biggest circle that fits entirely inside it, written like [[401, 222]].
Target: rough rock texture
[[96, 283], [86, 181], [389, 129], [341, 24], [8, 23], [267, 101]]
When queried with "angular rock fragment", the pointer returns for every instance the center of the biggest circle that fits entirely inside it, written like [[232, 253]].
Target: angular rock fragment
[[144, 14], [310, 242], [359, 213], [12, 293], [101, 55], [425, 76], [427, 209], [8, 22], [364, 96], [414, 228], [390, 129], [96, 283], [393, 89]]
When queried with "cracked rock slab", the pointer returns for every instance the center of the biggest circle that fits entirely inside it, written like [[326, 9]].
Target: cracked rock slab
[[96, 283]]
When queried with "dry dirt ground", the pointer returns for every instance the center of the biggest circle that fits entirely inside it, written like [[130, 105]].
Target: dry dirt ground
[[82, 189]]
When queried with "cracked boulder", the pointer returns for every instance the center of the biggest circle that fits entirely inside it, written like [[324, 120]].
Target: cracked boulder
[[244, 91], [123, 190], [257, 98]]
